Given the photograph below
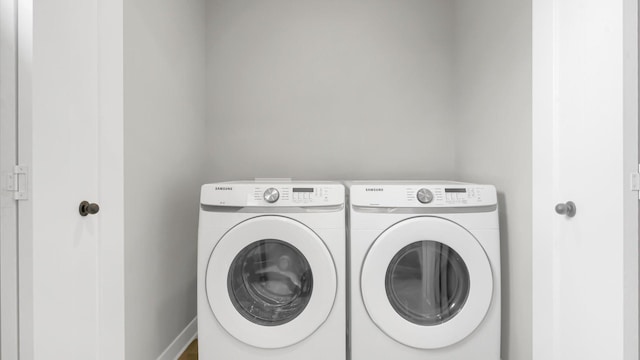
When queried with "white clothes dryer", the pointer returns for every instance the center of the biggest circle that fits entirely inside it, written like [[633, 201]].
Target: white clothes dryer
[[424, 271], [271, 271]]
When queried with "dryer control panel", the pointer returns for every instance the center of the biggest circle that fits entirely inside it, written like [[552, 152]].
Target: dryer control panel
[[422, 195], [241, 194]]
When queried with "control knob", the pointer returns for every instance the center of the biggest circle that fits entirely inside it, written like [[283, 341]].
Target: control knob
[[271, 195], [425, 196]]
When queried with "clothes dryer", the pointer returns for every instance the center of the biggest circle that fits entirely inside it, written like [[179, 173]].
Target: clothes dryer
[[424, 270], [271, 271]]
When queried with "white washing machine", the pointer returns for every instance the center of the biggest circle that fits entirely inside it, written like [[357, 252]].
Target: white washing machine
[[424, 270], [271, 271]]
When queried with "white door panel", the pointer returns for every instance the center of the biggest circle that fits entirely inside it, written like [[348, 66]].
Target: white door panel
[[586, 253], [65, 163], [73, 124], [585, 280]]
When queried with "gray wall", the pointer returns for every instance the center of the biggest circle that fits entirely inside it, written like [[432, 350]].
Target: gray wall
[[493, 140], [164, 116], [382, 89], [329, 89]]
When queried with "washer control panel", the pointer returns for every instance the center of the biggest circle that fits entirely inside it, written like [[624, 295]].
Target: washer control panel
[[272, 194], [423, 195]]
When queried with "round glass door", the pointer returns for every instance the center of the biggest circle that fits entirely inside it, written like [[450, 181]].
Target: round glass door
[[271, 282], [426, 282]]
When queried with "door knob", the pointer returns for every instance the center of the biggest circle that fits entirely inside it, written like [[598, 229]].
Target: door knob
[[87, 208], [568, 208]]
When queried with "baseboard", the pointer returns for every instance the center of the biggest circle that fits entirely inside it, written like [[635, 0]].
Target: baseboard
[[181, 342]]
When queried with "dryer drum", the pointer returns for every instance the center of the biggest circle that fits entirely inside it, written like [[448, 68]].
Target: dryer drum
[[270, 282]]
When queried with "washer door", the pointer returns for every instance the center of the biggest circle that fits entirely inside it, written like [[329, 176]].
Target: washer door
[[426, 282], [271, 282]]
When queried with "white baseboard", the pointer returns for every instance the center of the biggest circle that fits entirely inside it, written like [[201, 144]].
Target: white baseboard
[[181, 342]]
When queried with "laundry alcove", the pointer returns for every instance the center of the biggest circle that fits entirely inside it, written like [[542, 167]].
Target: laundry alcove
[[224, 90]]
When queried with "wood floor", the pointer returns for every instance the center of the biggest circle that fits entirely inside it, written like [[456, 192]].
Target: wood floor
[[191, 353]]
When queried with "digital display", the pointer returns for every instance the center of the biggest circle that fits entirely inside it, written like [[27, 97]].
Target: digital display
[[302, 190], [463, 190]]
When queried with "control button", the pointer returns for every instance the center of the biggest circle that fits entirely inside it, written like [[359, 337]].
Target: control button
[[425, 196], [271, 195]]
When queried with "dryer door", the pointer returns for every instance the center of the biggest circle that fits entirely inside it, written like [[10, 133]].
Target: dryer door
[[427, 282], [271, 282]]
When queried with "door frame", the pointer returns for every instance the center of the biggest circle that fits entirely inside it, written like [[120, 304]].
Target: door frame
[[9, 339], [546, 77]]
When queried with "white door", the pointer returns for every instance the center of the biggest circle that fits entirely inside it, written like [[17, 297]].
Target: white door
[[70, 91], [585, 146], [271, 282], [419, 291]]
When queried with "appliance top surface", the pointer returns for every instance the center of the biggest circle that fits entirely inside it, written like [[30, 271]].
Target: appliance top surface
[[421, 194], [350, 183], [277, 181], [273, 193]]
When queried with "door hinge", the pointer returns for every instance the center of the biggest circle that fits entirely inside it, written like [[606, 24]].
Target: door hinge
[[17, 182]]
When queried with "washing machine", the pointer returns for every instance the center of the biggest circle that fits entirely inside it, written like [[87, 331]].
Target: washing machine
[[424, 271], [271, 271]]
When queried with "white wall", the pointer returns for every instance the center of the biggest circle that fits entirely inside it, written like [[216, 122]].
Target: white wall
[[329, 89], [164, 89], [493, 140]]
